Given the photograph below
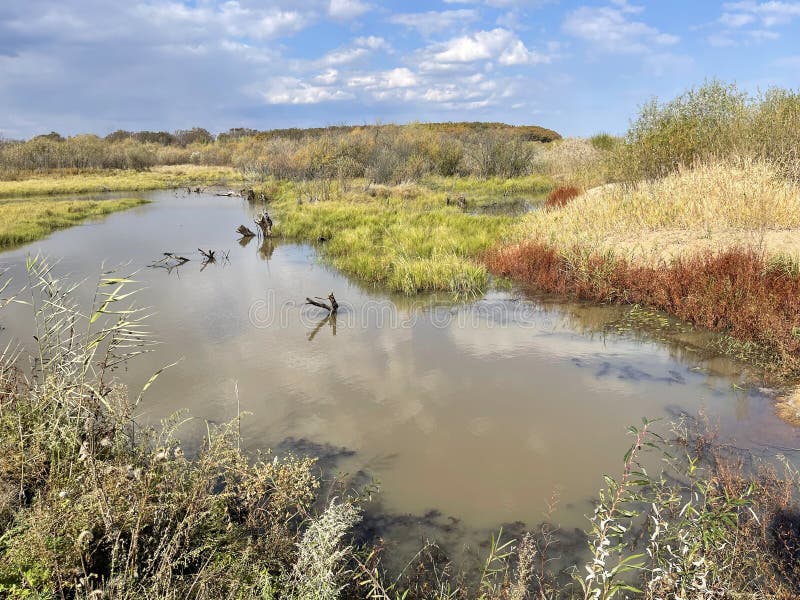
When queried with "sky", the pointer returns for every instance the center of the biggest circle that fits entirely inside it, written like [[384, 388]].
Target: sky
[[579, 67]]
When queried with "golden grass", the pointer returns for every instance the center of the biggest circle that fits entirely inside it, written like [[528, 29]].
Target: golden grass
[[117, 181], [709, 207], [28, 220]]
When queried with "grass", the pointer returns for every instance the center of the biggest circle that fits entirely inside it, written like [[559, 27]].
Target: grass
[[403, 238], [706, 208], [70, 182], [29, 220]]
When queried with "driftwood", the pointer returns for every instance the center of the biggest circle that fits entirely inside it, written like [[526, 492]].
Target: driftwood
[[265, 224], [169, 262], [208, 255], [332, 308], [245, 232]]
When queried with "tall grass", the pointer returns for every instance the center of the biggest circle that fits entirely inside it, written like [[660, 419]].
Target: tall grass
[[93, 505]]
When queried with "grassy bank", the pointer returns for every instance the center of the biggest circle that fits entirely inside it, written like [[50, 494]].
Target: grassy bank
[[405, 238], [80, 182], [92, 505], [29, 220], [696, 211]]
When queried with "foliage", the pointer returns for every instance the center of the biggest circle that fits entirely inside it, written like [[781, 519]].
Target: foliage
[[711, 122]]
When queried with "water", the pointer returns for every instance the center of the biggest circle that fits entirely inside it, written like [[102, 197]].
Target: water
[[477, 411]]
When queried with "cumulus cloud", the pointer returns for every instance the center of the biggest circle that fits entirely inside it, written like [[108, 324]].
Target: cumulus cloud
[[609, 28], [498, 44]]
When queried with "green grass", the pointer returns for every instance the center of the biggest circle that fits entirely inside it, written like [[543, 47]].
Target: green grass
[[29, 220], [404, 238], [117, 181]]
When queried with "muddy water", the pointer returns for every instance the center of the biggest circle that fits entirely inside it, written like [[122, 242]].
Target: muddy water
[[478, 411]]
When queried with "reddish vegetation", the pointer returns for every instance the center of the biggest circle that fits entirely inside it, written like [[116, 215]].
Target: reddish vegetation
[[560, 196], [733, 291]]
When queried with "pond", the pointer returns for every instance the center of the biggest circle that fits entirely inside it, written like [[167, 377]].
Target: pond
[[476, 413]]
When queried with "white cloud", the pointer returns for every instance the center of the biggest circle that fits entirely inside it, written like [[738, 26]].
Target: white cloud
[[347, 9], [433, 22], [609, 29], [290, 90], [498, 44], [343, 56]]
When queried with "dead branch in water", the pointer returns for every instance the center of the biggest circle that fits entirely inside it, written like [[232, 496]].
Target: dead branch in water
[[332, 308], [169, 262], [208, 255]]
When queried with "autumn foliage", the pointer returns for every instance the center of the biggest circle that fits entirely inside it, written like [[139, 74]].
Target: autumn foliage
[[734, 291]]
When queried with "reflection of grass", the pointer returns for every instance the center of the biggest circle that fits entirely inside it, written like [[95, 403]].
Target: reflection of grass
[[29, 220], [404, 238], [116, 180]]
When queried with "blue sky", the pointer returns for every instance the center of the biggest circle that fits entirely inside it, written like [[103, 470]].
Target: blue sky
[[576, 66]]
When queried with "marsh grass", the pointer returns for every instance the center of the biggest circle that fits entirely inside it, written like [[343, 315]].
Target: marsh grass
[[29, 220], [79, 182], [403, 238]]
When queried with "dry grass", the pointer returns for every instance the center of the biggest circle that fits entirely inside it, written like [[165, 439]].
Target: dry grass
[[71, 182], [709, 207]]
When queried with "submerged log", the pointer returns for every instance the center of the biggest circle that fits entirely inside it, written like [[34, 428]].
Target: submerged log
[[332, 308], [245, 231]]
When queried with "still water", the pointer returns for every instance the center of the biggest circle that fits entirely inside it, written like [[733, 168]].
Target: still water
[[478, 411]]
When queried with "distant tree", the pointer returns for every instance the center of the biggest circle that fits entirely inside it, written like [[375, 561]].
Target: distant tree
[[163, 138], [118, 136], [195, 135], [53, 136]]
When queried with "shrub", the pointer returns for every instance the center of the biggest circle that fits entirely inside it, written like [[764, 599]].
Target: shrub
[[560, 196]]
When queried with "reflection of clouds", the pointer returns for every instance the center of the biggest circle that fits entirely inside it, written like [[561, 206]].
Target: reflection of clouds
[[502, 388]]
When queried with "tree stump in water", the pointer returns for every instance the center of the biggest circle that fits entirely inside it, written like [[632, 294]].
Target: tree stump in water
[[265, 224]]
